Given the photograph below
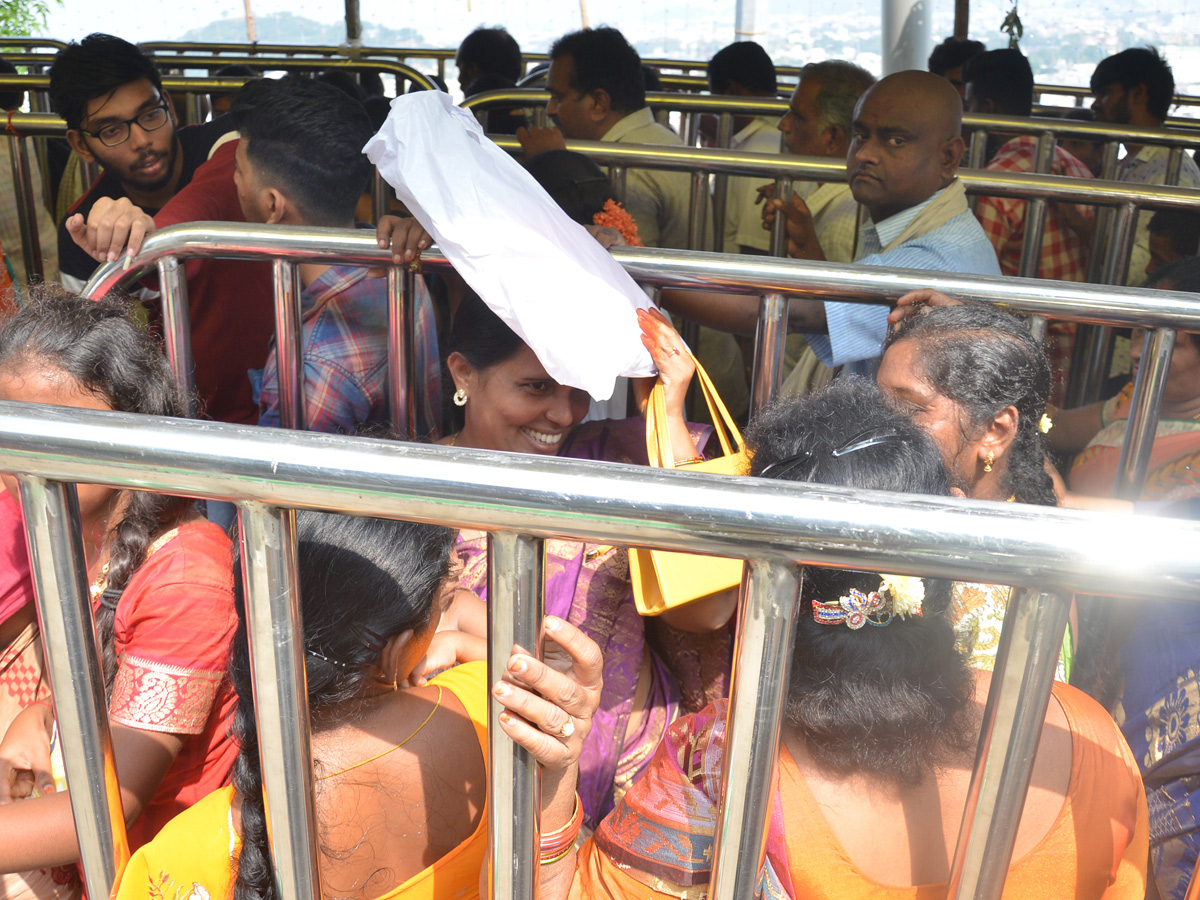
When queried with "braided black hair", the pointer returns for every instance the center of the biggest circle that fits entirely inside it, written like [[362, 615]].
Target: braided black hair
[[362, 581]]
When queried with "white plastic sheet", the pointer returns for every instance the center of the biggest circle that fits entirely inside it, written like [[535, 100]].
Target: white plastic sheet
[[540, 271]]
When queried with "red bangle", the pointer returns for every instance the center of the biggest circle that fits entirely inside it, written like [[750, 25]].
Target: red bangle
[[555, 844]]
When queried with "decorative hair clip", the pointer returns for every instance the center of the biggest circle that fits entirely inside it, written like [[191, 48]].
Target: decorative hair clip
[[1045, 424], [898, 595], [335, 662]]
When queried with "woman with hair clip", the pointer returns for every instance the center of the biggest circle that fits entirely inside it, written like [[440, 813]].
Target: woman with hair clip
[[880, 728], [400, 772], [975, 378], [163, 594]]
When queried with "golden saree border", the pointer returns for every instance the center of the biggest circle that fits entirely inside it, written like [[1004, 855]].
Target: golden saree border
[[154, 696]]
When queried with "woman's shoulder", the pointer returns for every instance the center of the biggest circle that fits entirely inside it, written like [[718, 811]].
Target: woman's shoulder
[[195, 552], [191, 858]]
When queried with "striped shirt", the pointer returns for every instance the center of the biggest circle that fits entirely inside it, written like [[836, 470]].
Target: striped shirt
[[856, 330]]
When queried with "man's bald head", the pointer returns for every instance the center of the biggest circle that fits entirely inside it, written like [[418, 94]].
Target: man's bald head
[[907, 142]]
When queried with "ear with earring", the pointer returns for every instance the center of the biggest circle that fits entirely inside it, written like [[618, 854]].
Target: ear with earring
[[987, 463], [460, 397]]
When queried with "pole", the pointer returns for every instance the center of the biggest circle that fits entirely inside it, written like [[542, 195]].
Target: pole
[[905, 35]]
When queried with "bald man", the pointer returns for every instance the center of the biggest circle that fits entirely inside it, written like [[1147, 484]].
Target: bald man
[[901, 164]]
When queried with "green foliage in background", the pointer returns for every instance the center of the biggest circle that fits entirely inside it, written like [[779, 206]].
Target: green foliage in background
[[23, 17]]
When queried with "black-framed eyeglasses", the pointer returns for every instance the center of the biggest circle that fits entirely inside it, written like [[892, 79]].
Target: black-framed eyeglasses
[[115, 133], [870, 438]]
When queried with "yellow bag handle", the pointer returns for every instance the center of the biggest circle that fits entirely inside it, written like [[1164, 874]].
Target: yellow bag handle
[[658, 440]]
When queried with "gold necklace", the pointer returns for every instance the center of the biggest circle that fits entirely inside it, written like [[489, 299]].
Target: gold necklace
[[371, 759]]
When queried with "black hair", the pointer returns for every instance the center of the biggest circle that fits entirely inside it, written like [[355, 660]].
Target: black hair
[[1181, 275], [952, 53], [574, 181], [483, 338], [498, 119], [745, 62], [1139, 65], [13, 99], [985, 359], [345, 81], [1004, 77], [494, 51], [95, 67], [362, 582], [304, 136], [890, 701], [100, 347], [602, 60], [651, 79], [236, 70], [1181, 227]]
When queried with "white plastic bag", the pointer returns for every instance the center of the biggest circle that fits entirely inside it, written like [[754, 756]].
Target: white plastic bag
[[539, 271]]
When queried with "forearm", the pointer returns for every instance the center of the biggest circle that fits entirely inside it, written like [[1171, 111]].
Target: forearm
[[735, 313], [38, 833], [558, 804]]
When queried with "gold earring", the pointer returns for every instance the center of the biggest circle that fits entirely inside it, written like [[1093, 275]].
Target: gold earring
[[991, 458], [460, 397]]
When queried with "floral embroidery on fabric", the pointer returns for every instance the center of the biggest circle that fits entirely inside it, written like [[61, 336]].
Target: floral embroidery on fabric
[[1172, 721], [164, 888], [157, 697]]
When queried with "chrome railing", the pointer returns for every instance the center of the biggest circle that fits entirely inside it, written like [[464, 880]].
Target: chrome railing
[[1046, 553], [772, 279]]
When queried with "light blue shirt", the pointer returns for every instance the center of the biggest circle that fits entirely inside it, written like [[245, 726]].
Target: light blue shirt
[[857, 330]]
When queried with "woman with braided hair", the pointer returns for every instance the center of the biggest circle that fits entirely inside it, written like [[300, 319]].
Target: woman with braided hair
[[881, 721], [162, 586]]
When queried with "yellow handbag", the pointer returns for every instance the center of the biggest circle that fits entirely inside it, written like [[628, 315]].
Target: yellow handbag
[[661, 579]]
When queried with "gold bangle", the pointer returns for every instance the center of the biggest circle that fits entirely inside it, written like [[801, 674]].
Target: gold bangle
[[549, 861], [689, 461]]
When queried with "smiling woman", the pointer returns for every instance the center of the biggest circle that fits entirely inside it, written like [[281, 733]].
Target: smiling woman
[[510, 403]]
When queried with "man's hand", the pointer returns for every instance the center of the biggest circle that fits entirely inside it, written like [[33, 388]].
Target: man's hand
[[538, 140], [914, 302], [113, 227], [606, 236], [802, 240]]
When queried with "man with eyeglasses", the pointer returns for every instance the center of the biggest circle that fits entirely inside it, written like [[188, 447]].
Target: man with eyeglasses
[[111, 96]]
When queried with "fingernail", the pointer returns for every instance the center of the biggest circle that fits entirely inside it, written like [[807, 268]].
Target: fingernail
[[553, 623], [517, 666], [501, 690], [112, 257], [506, 717], [407, 255], [382, 244]]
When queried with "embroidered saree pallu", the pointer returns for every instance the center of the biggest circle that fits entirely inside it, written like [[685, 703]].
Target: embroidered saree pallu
[[662, 579]]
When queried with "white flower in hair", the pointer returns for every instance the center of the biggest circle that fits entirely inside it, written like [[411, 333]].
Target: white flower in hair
[[905, 592]]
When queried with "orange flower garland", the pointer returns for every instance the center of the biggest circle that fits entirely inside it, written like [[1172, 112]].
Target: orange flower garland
[[616, 216]]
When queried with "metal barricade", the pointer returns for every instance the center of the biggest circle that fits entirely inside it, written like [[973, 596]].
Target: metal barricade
[[288, 246], [1046, 553]]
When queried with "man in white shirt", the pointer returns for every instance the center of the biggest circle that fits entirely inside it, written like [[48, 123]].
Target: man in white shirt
[[1136, 87], [743, 69]]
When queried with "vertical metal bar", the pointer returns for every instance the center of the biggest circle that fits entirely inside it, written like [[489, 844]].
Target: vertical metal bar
[[1174, 164], [1146, 402], [515, 610], [721, 186], [1037, 327], [1098, 260], [1124, 230], [697, 210], [616, 177], [401, 286], [1088, 365], [26, 208], [770, 341], [409, 322], [979, 142], [1035, 212], [1026, 658], [64, 611], [39, 101], [195, 103], [381, 196], [177, 327], [290, 366], [783, 190], [91, 174], [761, 667], [276, 635]]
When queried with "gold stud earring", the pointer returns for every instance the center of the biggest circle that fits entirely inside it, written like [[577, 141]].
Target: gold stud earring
[[460, 397], [991, 458]]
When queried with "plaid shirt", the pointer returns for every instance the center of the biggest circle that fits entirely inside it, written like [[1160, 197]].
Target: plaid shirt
[[344, 322], [1064, 254]]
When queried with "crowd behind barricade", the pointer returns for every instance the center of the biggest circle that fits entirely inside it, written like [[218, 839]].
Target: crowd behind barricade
[[623, 711]]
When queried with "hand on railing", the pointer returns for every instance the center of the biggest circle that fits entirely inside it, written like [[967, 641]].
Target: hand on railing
[[912, 303], [535, 140], [25, 754], [406, 237], [112, 227], [607, 236], [802, 240]]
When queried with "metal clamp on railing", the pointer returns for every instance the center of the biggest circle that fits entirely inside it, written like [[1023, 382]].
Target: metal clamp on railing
[[1129, 307], [776, 526]]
